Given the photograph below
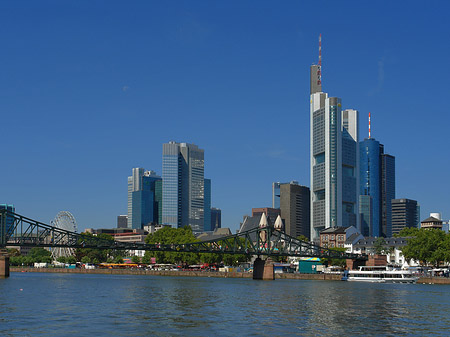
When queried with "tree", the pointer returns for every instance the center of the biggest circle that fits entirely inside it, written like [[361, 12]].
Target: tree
[[380, 246], [302, 238], [71, 260], [147, 259], [94, 253], [40, 255], [136, 259], [61, 259], [430, 246], [85, 259], [169, 235], [335, 261], [118, 259]]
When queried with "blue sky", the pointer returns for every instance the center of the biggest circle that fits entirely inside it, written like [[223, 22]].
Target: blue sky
[[91, 89]]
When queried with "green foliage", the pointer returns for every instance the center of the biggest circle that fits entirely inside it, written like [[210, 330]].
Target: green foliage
[[118, 259], [85, 259], [334, 261], [61, 259], [147, 259], [302, 238], [429, 246], [380, 246], [100, 255], [71, 260], [169, 235], [136, 259]]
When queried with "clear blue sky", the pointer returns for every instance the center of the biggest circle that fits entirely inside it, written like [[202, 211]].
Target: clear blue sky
[[91, 89]]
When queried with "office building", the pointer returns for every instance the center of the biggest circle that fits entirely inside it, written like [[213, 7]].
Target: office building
[[142, 202], [271, 213], [334, 160], [122, 221], [7, 223], [216, 218], [387, 193], [295, 209], [377, 180], [405, 213], [183, 186], [207, 207]]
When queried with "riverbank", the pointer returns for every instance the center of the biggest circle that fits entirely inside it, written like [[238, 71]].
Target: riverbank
[[190, 273], [185, 273]]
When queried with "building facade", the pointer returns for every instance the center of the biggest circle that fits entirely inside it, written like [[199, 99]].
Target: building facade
[[207, 207], [334, 160], [143, 205], [387, 192], [183, 186], [405, 213], [216, 218], [5, 224], [295, 209], [122, 221], [271, 213]]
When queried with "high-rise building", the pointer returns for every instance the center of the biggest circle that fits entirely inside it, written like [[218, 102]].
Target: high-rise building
[[405, 213], [5, 224], [370, 185], [295, 209], [183, 186], [207, 207], [122, 221], [334, 160], [377, 180], [142, 203], [216, 218], [387, 192]]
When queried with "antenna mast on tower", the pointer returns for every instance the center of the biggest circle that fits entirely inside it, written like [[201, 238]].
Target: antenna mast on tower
[[369, 125], [319, 69]]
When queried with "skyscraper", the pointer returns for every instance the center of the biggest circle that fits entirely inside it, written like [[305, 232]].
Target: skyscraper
[[183, 185], [334, 161], [142, 203], [207, 206], [377, 180], [295, 209], [216, 218], [405, 213]]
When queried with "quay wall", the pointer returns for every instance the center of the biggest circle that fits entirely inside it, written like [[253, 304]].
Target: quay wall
[[186, 273], [323, 277]]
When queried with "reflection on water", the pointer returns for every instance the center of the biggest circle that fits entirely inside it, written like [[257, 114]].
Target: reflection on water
[[66, 304]]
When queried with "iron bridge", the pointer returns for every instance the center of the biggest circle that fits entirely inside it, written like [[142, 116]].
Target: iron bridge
[[19, 231]]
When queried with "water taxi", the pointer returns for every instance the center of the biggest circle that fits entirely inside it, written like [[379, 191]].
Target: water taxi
[[379, 274]]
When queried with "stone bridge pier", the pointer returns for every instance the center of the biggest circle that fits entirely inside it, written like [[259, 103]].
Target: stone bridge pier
[[4, 263], [263, 269]]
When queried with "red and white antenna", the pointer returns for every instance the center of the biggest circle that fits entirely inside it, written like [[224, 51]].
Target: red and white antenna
[[369, 125], [319, 69]]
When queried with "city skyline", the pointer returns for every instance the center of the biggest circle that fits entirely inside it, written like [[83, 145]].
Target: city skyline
[[89, 96]]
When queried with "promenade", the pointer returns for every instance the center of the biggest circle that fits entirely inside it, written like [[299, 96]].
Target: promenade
[[190, 273]]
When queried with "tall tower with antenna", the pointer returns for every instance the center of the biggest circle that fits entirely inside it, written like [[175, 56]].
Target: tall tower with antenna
[[333, 158]]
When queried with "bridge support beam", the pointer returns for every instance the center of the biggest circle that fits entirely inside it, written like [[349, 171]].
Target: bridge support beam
[[4, 263], [263, 270]]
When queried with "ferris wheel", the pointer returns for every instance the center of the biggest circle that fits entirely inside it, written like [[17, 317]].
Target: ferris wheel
[[64, 220]]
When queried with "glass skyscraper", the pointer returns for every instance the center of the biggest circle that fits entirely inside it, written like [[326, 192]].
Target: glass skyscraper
[[207, 206], [143, 204], [183, 186], [377, 180], [334, 160]]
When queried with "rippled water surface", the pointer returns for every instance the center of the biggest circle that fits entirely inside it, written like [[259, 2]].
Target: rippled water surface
[[82, 305]]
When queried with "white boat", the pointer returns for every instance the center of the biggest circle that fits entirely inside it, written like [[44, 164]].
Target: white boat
[[379, 274]]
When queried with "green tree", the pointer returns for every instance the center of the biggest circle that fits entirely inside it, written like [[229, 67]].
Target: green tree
[[95, 253], [380, 246], [40, 255], [429, 246], [71, 260], [302, 238], [118, 259], [136, 259], [147, 258], [332, 261], [85, 259], [61, 259], [168, 236]]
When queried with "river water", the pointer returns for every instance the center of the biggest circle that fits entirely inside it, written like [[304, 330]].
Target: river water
[[131, 305]]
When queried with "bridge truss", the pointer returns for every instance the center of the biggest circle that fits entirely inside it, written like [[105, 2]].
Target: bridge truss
[[19, 231]]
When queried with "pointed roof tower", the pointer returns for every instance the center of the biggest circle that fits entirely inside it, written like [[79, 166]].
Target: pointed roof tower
[[263, 222], [279, 223]]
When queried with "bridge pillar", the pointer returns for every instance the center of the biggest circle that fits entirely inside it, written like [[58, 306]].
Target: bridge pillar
[[4, 263], [263, 270]]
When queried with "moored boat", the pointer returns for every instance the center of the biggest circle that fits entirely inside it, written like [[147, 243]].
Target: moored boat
[[379, 274]]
